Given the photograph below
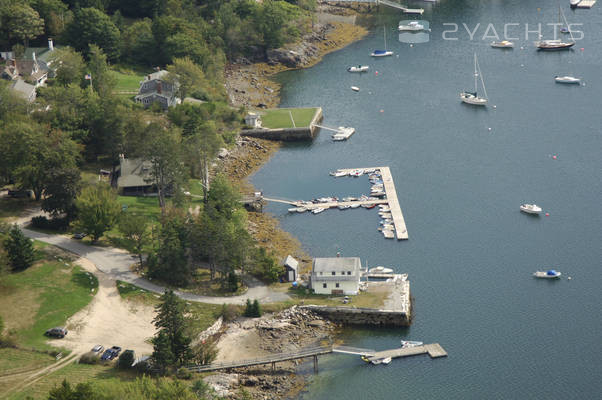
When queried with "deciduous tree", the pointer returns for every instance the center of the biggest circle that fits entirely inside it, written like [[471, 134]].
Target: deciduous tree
[[70, 64], [92, 26], [135, 229], [97, 210]]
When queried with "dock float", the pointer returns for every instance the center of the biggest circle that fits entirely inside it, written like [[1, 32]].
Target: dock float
[[586, 3], [434, 350]]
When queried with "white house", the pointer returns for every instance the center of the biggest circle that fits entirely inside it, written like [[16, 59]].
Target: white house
[[337, 275], [292, 268]]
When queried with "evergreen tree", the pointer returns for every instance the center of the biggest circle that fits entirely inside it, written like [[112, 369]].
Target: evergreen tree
[[172, 341], [18, 249]]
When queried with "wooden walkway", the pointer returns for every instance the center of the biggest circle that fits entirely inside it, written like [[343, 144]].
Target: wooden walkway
[[434, 350], [401, 231]]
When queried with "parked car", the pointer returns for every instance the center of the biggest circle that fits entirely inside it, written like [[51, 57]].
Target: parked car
[[56, 332], [116, 350], [107, 355], [98, 348], [79, 235]]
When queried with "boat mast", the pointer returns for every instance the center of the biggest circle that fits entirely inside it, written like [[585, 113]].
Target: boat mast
[[385, 36], [480, 75], [565, 23], [476, 74]]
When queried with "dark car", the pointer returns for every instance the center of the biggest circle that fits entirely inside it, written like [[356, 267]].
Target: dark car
[[116, 350], [56, 332], [107, 355], [79, 235]]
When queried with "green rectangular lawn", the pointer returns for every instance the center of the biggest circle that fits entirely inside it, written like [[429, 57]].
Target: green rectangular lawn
[[277, 118], [127, 82]]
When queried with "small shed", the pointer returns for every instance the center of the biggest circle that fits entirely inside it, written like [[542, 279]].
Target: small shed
[[253, 120], [292, 268]]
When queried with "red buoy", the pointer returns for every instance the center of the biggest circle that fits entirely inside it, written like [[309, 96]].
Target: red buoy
[[554, 157], [547, 214]]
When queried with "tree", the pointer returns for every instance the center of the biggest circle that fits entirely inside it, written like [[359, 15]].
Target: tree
[[203, 144], [252, 309], [18, 249], [66, 392], [126, 359], [190, 77], [54, 13], [276, 22], [164, 153], [60, 191], [97, 210], [163, 357], [24, 23], [92, 26], [70, 66], [135, 229], [171, 264], [102, 81], [172, 325]]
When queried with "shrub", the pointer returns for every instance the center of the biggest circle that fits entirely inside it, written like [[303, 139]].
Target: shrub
[[126, 360], [183, 373], [205, 352], [253, 309], [56, 224], [89, 358], [228, 312]]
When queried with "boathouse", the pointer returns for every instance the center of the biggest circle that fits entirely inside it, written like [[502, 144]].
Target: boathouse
[[336, 275]]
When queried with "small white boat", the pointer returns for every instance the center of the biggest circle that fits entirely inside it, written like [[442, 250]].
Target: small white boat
[[301, 209], [355, 88], [382, 53], [567, 79], [294, 209], [504, 44], [574, 3], [418, 11], [343, 133], [358, 68], [317, 210], [344, 207], [549, 274], [530, 209], [380, 270], [356, 205], [472, 97], [386, 360], [410, 343], [413, 26]]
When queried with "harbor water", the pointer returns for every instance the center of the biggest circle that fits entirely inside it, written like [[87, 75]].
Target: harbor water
[[461, 174]]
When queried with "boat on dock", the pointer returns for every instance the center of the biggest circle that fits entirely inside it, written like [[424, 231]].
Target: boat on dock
[[413, 11], [380, 270], [318, 210], [549, 274], [412, 26], [338, 174], [410, 343], [343, 133], [574, 3], [386, 360], [530, 209], [344, 207]]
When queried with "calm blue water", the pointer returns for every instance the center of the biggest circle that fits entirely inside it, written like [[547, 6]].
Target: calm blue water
[[471, 253]]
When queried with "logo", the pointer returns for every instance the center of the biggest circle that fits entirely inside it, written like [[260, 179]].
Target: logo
[[414, 31]]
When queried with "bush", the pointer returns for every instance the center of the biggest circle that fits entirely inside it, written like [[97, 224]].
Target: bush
[[252, 309], [89, 358], [205, 352], [55, 224], [126, 360], [19, 249], [183, 373], [228, 312]]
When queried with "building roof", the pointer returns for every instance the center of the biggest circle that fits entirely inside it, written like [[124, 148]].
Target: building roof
[[23, 88], [161, 74], [134, 173], [291, 263], [338, 265]]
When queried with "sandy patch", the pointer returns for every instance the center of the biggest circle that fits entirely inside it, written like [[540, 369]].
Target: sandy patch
[[240, 342], [109, 320]]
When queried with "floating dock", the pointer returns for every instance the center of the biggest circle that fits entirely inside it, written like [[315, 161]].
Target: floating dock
[[586, 3], [434, 350], [401, 231]]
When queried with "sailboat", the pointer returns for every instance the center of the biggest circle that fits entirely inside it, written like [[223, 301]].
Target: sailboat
[[472, 97], [557, 44], [385, 52]]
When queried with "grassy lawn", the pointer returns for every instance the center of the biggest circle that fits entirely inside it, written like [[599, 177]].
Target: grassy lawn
[[74, 373], [127, 82], [130, 292], [16, 360], [281, 117], [43, 296]]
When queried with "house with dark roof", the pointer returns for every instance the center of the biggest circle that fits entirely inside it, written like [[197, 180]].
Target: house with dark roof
[[336, 275], [33, 67], [134, 177], [155, 88], [24, 90]]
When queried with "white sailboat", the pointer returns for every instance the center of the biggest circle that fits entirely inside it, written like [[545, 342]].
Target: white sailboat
[[473, 97], [385, 52], [557, 44]]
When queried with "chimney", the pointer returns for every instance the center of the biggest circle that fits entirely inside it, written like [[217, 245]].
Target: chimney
[[148, 77], [50, 44], [159, 87], [33, 55]]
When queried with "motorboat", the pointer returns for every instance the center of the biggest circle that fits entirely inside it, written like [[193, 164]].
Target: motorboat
[[386, 360], [530, 209], [355, 88], [504, 44], [473, 97], [356, 205], [368, 206], [412, 26], [356, 173], [549, 274], [301, 209], [574, 3], [567, 79], [380, 270], [410, 343], [296, 209], [385, 52], [358, 68], [344, 207], [565, 30], [318, 210], [343, 133], [338, 174]]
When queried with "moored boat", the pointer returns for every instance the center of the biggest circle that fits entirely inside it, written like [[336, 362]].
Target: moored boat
[[567, 79], [317, 210], [504, 44], [473, 97], [549, 274], [410, 343], [530, 209], [412, 26], [355, 88], [574, 3], [358, 68]]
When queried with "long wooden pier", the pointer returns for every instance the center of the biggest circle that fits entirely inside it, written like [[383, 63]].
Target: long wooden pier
[[401, 231], [434, 350]]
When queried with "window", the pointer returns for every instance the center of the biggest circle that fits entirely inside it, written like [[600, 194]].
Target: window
[[320, 272], [348, 272], [336, 284], [324, 285], [334, 272], [342, 272]]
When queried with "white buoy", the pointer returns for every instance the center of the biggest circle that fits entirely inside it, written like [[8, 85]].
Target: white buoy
[[489, 129], [494, 106], [569, 278]]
